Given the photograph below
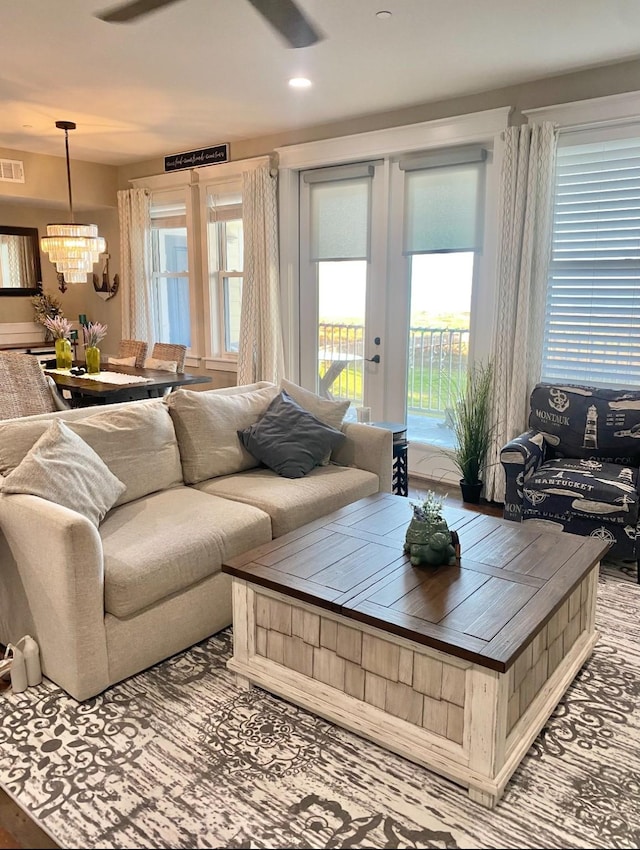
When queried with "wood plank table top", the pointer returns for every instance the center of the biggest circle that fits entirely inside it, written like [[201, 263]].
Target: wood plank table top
[[509, 582]]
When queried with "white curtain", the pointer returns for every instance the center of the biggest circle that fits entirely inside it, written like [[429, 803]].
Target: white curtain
[[261, 354], [134, 210], [526, 197]]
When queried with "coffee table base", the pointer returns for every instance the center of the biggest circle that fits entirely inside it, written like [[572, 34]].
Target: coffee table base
[[462, 720]]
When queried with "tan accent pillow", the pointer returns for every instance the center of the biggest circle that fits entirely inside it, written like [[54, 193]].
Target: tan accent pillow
[[122, 361], [165, 365], [138, 443], [62, 468], [207, 425], [330, 412]]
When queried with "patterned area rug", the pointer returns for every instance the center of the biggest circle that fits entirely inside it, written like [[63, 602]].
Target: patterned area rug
[[178, 757]]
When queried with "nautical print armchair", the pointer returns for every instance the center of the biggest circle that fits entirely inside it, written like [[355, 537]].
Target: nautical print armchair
[[576, 468]]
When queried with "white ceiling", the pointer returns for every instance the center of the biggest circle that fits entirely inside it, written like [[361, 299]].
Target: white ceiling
[[203, 72]]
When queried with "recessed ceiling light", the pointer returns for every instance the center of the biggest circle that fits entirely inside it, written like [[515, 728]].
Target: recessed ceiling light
[[299, 83], [383, 13]]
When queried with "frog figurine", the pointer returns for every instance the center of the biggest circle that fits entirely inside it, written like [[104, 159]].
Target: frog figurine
[[428, 539]]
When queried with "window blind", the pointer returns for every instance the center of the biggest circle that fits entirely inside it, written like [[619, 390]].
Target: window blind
[[592, 322], [442, 209], [340, 211]]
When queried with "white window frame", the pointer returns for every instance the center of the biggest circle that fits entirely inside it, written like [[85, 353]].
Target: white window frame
[[389, 144], [217, 356], [593, 120], [202, 352], [181, 195]]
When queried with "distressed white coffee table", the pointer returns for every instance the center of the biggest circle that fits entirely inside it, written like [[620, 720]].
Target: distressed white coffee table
[[456, 668]]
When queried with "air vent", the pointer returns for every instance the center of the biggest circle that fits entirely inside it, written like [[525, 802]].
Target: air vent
[[11, 171]]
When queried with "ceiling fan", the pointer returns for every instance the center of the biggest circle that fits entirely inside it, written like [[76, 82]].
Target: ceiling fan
[[283, 15]]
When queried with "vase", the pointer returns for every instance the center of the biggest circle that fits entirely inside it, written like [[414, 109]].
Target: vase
[[471, 491], [92, 359], [429, 543], [63, 354]]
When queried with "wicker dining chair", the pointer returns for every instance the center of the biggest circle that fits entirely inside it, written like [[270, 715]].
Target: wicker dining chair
[[166, 351], [134, 348], [24, 388]]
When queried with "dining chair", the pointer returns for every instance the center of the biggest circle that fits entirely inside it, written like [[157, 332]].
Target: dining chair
[[170, 352], [24, 388], [133, 348]]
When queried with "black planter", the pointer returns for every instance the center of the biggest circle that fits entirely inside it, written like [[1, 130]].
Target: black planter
[[471, 492]]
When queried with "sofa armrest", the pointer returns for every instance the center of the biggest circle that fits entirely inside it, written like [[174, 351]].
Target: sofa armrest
[[56, 560], [368, 448], [520, 458]]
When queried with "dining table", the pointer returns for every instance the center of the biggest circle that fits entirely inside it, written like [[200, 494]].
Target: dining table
[[119, 383]]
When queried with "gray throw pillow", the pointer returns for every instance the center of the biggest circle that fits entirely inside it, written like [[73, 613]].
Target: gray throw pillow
[[62, 468], [289, 439]]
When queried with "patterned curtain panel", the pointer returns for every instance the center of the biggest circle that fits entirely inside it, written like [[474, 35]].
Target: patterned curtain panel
[[18, 263], [523, 256], [261, 354], [134, 210]]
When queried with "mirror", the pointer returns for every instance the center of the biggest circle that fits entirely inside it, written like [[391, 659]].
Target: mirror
[[20, 272]]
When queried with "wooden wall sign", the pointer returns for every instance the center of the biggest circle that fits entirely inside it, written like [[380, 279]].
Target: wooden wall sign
[[196, 159]]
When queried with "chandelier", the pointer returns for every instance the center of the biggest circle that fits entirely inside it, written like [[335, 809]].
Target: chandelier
[[72, 247]]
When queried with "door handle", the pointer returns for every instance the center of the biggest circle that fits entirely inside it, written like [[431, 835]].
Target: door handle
[[374, 359]]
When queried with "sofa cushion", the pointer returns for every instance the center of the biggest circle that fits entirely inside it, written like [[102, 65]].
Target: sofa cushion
[[293, 502], [60, 467], [329, 411], [589, 488], [137, 442], [588, 422], [207, 425], [168, 541], [289, 439]]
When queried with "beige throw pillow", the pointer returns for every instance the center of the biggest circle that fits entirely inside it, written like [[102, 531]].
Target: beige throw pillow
[[207, 425], [122, 361], [62, 468], [164, 365], [330, 412], [137, 442]]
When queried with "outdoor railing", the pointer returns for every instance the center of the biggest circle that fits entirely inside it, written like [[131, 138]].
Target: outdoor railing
[[436, 370]]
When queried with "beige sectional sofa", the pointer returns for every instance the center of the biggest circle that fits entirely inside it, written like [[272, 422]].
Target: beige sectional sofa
[[107, 600]]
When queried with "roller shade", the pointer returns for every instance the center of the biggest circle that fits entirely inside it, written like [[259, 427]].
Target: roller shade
[[340, 209], [443, 208], [592, 324]]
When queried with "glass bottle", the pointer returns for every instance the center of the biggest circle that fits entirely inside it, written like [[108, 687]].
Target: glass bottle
[[63, 354], [92, 359]]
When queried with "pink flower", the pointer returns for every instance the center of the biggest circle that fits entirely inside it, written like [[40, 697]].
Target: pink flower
[[93, 333], [59, 326]]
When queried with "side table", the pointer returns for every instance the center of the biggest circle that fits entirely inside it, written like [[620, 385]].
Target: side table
[[400, 446]]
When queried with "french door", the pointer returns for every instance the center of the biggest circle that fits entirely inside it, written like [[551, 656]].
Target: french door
[[388, 259], [343, 251]]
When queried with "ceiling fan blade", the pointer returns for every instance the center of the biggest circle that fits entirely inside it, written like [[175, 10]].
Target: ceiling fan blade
[[289, 21], [126, 12]]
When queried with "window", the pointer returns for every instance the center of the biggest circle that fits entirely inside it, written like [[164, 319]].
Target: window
[[170, 270], [592, 320], [225, 265]]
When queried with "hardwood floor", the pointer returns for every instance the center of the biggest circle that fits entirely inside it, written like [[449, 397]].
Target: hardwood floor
[[19, 832]]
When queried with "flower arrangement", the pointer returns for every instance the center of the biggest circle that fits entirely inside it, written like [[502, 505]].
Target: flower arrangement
[[429, 509], [58, 326], [93, 333], [45, 307]]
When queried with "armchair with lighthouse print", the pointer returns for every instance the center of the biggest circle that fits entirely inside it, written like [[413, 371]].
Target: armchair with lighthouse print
[[576, 468]]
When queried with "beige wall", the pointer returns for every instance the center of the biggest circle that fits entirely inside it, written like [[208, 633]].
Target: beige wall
[[79, 298], [582, 85]]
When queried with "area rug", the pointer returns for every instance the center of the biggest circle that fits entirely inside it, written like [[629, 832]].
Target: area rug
[[179, 757]]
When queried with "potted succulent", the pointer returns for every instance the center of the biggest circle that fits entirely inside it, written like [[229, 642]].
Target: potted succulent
[[473, 425], [428, 539]]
